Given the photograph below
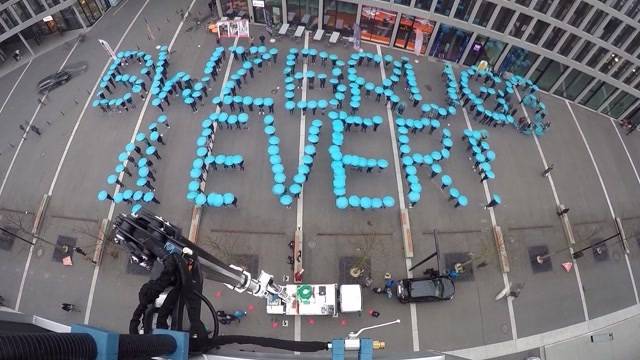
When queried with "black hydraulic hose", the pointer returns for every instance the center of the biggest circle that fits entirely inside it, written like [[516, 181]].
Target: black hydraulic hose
[[145, 346], [216, 323], [47, 346], [300, 346]]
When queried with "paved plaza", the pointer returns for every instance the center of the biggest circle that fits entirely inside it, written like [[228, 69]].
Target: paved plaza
[[594, 175]]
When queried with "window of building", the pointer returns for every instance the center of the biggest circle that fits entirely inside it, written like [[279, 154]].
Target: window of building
[[597, 95], [568, 44], [484, 13], [633, 45], [562, 9], [518, 61], [612, 61], [36, 6], [233, 8], [633, 75], [273, 10], [553, 38], [542, 6], [597, 57], [633, 11], [573, 84], [524, 2], [502, 21], [464, 9], [303, 12], [484, 49], [584, 50], [412, 28], [520, 26], [619, 105], [594, 22], [579, 15], [539, 29], [618, 4], [443, 7], [52, 3], [22, 11], [624, 35], [377, 24], [423, 4], [8, 19], [90, 10], [340, 16], [547, 73], [621, 70], [612, 25], [450, 43]]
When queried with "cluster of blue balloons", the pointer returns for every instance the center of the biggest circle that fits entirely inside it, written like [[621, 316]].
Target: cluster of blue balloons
[[481, 153], [138, 153], [279, 189], [205, 158], [338, 163], [114, 76]]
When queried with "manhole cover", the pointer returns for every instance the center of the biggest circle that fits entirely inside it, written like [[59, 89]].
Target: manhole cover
[[542, 251], [451, 259], [64, 248], [348, 262]]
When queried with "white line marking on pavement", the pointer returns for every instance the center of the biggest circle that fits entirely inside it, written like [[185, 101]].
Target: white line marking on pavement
[[6, 177], [505, 277], [96, 269], [606, 194], [16, 84], [120, 8], [415, 335], [15, 154], [557, 199], [633, 166], [297, 324]]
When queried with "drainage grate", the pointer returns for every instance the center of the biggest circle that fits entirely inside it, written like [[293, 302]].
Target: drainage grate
[[347, 262], [59, 253], [534, 252]]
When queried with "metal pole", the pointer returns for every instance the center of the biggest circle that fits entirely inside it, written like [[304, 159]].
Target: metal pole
[[577, 254]]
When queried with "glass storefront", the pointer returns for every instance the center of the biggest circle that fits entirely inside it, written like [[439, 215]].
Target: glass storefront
[[568, 45], [484, 13], [562, 9], [303, 12], [619, 105], [22, 11], [553, 38], [579, 14], [233, 8], [486, 49], [596, 57], [547, 73], [424, 4], [36, 6], [597, 95], [340, 16], [377, 24], [464, 9], [520, 26], [443, 7], [518, 61], [450, 43], [8, 19], [90, 11], [271, 9], [538, 31], [584, 50], [609, 64], [503, 19], [633, 75], [621, 70], [409, 27], [573, 84]]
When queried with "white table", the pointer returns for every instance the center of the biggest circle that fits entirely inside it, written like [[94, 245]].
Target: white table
[[283, 29], [334, 37], [318, 35], [299, 31]]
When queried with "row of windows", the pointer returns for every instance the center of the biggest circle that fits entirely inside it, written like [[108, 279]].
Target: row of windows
[[18, 12]]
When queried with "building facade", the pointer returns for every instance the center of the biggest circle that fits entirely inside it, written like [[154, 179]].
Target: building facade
[[587, 51], [27, 23]]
